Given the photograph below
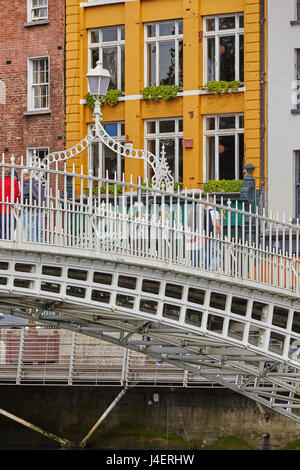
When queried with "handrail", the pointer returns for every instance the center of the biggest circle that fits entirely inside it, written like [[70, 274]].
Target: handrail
[[104, 214]]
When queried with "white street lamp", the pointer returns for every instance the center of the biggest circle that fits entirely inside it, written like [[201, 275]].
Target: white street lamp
[[98, 80]]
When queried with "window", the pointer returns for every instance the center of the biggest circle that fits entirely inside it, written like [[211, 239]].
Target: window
[[37, 10], [33, 155], [297, 87], [224, 48], [38, 83], [163, 53], [297, 166], [167, 132], [224, 147], [102, 160], [298, 10], [108, 46]]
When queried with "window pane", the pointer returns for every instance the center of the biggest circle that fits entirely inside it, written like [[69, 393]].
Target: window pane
[[109, 34], [151, 64], [241, 156], [151, 127], [111, 129], [122, 68], [180, 27], [210, 124], [94, 36], [180, 125], [167, 63], [95, 158], [227, 58], [95, 57], [151, 148], [241, 122], [241, 38], [227, 157], [167, 29], [241, 21], [210, 158], [210, 25], [180, 81], [122, 33], [151, 30], [166, 126], [227, 23], [211, 74], [180, 163], [169, 152], [110, 63], [298, 9], [110, 162], [227, 122]]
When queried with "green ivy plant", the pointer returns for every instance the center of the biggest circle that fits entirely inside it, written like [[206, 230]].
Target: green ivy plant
[[226, 186], [111, 98], [220, 87], [165, 92]]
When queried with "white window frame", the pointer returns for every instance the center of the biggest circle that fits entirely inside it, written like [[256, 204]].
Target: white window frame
[[157, 136], [29, 153], [157, 39], [119, 138], [217, 133], [102, 44], [237, 32], [31, 8], [30, 104]]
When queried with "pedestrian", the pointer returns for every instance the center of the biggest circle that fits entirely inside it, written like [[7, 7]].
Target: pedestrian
[[33, 199], [9, 194], [204, 222]]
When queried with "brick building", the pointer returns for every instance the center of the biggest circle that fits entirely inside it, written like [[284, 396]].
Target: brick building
[[31, 77]]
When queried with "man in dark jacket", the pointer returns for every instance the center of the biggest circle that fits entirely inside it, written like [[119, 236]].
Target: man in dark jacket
[[9, 194], [33, 199]]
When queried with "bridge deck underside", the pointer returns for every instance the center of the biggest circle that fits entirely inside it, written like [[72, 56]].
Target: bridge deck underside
[[234, 336]]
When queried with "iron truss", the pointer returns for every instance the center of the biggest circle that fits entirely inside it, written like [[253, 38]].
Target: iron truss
[[239, 337]]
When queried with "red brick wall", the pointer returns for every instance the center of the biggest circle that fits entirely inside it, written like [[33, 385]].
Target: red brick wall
[[17, 44]]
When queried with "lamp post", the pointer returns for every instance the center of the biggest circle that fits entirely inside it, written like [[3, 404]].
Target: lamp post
[[98, 81]]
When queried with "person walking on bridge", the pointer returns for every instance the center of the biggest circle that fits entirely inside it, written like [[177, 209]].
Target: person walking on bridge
[[9, 194], [33, 199]]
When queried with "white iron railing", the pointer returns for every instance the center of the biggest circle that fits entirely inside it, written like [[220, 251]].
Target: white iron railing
[[103, 215], [45, 356]]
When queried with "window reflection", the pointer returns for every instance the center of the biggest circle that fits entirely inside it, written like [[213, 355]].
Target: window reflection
[[227, 58]]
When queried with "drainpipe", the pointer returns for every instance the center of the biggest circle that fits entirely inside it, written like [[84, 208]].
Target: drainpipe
[[262, 103]]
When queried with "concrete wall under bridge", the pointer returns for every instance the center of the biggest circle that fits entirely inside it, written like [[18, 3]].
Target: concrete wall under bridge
[[180, 419]]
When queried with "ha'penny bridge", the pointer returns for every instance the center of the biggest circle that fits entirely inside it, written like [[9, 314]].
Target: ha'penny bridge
[[120, 263]]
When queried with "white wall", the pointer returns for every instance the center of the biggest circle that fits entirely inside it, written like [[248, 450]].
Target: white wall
[[283, 126]]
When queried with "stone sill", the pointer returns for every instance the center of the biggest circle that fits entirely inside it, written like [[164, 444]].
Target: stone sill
[[37, 112], [36, 23]]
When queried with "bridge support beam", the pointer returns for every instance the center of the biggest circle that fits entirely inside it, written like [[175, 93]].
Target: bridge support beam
[[61, 441], [105, 414]]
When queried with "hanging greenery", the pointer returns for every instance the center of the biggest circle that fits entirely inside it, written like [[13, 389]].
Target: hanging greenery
[[223, 186], [111, 98], [165, 92], [221, 87]]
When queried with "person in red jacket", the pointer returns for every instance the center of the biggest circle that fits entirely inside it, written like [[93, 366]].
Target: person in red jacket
[[9, 194]]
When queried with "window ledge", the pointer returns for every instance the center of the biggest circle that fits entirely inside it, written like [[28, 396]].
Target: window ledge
[[36, 23], [37, 111], [295, 111], [295, 22]]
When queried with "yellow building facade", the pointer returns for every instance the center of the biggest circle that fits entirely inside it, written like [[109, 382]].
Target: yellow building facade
[[170, 42]]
